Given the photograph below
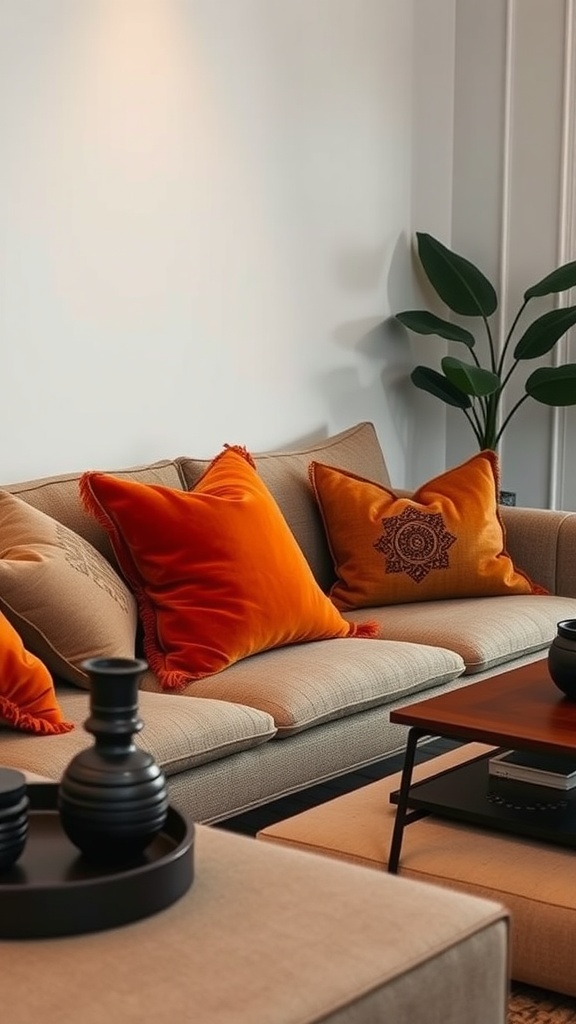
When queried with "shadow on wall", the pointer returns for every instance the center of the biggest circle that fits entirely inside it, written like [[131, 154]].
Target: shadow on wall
[[377, 385], [378, 388], [342, 389], [408, 288]]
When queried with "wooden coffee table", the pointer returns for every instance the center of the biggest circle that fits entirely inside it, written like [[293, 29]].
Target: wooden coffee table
[[521, 709]]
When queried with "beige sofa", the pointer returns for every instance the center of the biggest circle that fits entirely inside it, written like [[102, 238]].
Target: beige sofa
[[291, 717]]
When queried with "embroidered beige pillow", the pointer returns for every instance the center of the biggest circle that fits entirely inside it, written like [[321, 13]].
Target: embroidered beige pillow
[[60, 594]]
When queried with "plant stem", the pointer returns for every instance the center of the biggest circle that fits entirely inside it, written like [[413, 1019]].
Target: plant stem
[[490, 345], [474, 357], [509, 338], [509, 373], [477, 432], [490, 438], [478, 418], [510, 415]]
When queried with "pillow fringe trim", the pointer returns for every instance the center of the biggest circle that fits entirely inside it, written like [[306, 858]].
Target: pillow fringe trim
[[239, 449], [19, 719], [367, 630]]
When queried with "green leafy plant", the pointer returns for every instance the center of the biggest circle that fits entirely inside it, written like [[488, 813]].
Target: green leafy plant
[[468, 385]]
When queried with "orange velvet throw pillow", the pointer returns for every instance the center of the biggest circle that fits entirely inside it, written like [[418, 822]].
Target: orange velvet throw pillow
[[27, 698], [216, 571], [445, 541]]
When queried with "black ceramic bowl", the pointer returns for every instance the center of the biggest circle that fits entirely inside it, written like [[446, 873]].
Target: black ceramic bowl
[[562, 658]]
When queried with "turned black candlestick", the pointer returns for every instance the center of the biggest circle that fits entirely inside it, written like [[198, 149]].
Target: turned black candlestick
[[112, 798]]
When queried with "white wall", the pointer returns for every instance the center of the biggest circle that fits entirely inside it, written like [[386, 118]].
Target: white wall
[[207, 208], [202, 205], [432, 202], [514, 125]]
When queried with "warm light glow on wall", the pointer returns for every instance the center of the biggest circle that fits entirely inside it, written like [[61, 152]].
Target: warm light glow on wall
[[135, 80]]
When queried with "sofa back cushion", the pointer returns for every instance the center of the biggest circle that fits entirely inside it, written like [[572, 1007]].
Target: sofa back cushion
[[286, 475], [59, 497]]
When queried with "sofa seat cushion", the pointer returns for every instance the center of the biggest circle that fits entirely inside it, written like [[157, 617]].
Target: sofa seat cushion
[[179, 732], [302, 686], [484, 631]]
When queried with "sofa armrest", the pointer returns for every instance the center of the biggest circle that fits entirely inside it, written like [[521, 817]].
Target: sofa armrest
[[542, 542]]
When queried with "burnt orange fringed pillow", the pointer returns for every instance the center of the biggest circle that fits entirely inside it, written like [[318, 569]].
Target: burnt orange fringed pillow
[[27, 697], [216, 571], [445, 541]]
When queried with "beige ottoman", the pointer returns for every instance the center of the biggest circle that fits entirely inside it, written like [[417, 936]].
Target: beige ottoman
[[536, 882], [268, 936]]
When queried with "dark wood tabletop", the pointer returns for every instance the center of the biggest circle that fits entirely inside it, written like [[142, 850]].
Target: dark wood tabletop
[[519, 708]]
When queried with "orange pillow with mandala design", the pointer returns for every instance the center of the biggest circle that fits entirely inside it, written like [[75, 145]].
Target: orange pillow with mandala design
[[216, 571], [444, 541], [27, 697]]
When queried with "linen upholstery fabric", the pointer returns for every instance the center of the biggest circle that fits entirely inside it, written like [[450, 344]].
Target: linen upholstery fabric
[[261, 917], [447, 541], [27, 697], [542, 542], [59, 497], [60, 593], [292, 762], [533, 880], [312, 683], [286, 476], [484, 631], [179, 732], [217, 573]]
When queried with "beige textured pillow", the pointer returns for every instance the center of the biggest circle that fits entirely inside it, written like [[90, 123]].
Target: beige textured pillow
[[60, 594]]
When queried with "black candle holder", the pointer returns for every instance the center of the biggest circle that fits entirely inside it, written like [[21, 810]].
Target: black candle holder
[[13, 816], [113, 798]]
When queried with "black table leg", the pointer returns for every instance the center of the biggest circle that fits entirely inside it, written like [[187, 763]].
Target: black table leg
[[402, 813]]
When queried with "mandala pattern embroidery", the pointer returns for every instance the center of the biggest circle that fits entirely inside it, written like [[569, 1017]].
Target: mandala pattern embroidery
[[415, 542]]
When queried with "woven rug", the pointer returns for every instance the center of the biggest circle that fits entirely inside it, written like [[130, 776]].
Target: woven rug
[[530, 1005]]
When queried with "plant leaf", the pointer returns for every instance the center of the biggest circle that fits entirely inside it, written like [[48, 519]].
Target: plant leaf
[[436, 384], [542, 335], [422, 322], [558, 281], [471, 379], [458, 282], [553, 385]]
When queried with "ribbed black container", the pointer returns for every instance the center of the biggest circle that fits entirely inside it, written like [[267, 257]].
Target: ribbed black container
[[13, 816], [562, 658], [112, 799]]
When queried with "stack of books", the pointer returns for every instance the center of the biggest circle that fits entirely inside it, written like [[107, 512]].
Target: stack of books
[[556, 772]]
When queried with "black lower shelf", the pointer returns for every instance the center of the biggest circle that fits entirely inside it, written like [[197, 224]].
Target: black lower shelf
[[468, 793]]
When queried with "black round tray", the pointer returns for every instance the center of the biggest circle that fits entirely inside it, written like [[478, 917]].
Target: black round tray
[[52, 890]]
